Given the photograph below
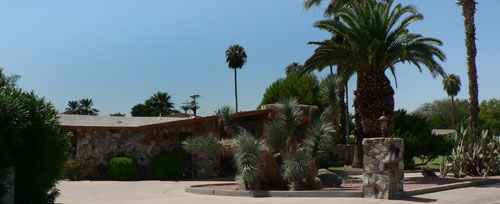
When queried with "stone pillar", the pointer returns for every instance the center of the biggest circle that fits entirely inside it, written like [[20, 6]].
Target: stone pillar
[[9, 181], [383, 171]]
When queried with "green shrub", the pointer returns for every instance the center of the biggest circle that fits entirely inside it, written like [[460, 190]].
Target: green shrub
[[166, 166], [31, 140], [72, 169], [122, 168], [418, 139]]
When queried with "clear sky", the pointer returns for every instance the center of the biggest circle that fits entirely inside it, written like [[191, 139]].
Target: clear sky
[[120, 52]]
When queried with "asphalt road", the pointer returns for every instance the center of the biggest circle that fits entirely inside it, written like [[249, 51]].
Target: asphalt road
[[110, 192]]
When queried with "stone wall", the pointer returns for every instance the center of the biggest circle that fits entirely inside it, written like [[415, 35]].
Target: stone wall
[[96, 147], [383, 167]]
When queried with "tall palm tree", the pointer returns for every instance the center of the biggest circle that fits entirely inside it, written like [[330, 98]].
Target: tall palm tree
[[85, 107], [236, 57], [161, 102], [377, 38], [73, 108], [451, 84], [468, 11]]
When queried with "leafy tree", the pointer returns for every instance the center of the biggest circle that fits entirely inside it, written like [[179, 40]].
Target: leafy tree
[[377, 38], [8, 81], [490, 116], [442, 108], [119, 114], [451, 84], [468, 11], [305, 88], [32, 141], [158, 103], [236, 57]]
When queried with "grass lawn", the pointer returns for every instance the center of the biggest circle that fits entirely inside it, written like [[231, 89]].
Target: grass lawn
[[434, 164], [347, 168]]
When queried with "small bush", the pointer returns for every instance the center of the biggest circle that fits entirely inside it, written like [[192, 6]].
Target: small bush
[[122, 168], [166, 166], [72, 169]]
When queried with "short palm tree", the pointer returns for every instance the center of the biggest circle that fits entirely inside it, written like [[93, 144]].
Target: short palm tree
[[376, 39], [451, 84], [236, 57], [85, 107], [468, 11], [73, 108], [161, 102]]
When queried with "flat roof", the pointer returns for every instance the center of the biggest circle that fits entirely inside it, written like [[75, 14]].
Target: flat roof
[[117, 122], [113, 121]]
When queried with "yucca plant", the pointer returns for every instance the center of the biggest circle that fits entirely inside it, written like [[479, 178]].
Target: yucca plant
[[296, 166], [290, 117], [226, 114], [246, 150], [275, 137]]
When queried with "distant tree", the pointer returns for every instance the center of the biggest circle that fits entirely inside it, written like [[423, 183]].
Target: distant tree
[[236, 57], [8, 81], [161, 102], [451, 84], [143, 110], [158, 104], [292, 68], [119, 114], [185, 108], [85, 107], [73, 108], [305, 88], [443, 108], [490, 116], [437, 122]]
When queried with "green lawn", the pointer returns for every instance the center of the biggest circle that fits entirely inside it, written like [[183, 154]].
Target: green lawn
[[434, 164], [347, 168]]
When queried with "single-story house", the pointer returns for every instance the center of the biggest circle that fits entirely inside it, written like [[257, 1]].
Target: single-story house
[[98, 138]]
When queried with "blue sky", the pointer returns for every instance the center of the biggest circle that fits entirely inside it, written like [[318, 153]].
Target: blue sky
[[120, 52]]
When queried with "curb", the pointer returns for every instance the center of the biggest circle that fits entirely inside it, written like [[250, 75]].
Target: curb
[[450, 186], [240, 193], [196, 190]]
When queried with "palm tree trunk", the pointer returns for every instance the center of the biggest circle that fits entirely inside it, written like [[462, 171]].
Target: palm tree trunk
[[347, 132], [376, 98], [341, 110], [359, 134], [235, 90], [468, 11], [452, 112]]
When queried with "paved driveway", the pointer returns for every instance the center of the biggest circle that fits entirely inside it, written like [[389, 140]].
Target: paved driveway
[[96, 192]]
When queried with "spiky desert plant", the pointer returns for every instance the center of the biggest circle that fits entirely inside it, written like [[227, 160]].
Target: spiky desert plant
[[208, 146], [296, 165], [246, 151], [275, 137], [290, 117], [226, 114], [317, 145]]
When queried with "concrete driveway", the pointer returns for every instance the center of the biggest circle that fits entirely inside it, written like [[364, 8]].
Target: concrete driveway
[[109, 192]]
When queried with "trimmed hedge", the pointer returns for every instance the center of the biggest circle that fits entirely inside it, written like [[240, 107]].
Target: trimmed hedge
[[122, 168], [166, 166]]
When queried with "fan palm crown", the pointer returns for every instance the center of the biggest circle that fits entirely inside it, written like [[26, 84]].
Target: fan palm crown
[[236, 57]]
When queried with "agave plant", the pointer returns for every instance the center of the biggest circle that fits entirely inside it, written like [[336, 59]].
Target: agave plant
[[477, 155]]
